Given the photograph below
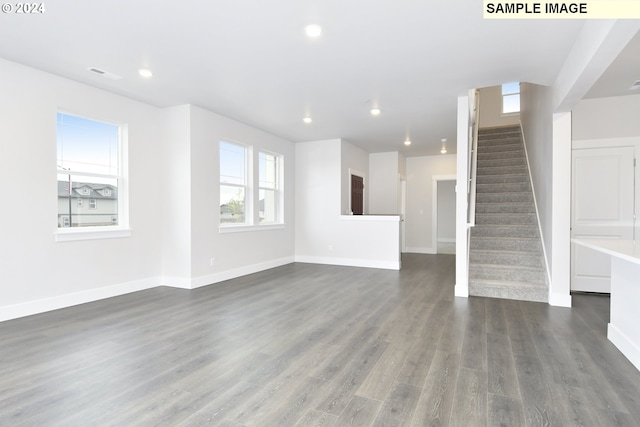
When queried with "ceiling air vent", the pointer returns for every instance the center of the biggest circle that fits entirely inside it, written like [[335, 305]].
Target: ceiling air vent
[[104, 73]]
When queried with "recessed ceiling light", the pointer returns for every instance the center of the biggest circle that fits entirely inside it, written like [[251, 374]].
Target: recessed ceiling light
[[313, 30], [307, 120], [443, 150], [145, 73], [375, 111], [407, 142]]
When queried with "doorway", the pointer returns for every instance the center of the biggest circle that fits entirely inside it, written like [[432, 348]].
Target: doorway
[[444, 214], [357, 195]]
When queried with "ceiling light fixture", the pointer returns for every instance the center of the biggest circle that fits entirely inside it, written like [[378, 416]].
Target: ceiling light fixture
[[635, 85], [307, 120], [443, 150], [313, 30], [375, 111], [407, 142], [145, 73]]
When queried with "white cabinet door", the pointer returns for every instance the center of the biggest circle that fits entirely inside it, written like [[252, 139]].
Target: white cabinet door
[[603, 208]]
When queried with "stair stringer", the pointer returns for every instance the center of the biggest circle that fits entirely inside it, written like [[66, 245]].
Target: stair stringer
[[535, 204]]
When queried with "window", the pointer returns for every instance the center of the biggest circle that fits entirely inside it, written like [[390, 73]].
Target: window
[[233, 183], [269, 195], [88, 160], [250, 186], [511, 98]]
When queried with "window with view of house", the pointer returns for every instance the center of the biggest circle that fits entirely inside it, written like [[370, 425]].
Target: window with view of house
[[248, 198], [233, 183], [511, 98], [88, 163]]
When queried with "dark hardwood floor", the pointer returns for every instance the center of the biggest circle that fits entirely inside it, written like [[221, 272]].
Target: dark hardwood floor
[[312, 345]]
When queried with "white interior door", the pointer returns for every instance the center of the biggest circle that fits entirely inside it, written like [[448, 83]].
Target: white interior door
[[602, 208]]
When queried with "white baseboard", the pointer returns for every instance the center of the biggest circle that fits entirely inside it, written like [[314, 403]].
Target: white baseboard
[[176, 282], [461, 291], [238, 272], [54, 303], [624, 344], [560, 300], [417, 250], [447, 240], [350, 262]]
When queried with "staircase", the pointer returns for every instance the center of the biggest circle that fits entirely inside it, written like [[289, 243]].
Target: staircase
[[505, 256]]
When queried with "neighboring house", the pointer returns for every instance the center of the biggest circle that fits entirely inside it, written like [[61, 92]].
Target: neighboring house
[[91, 204]]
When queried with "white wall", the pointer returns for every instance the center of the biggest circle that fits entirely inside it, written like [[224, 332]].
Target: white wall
[[173, 169], [176, 205], [356, 160], [324, 236], [613, 117], [537, 123], [548, 144], [419, 217], [36, 272], [241, 252], [384, 169], [491, 109]]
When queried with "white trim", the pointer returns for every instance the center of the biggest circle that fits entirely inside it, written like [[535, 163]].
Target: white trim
[[90, 233], [222, 229], [560, 300], [349, 262], [210, 279], [419, 250], [581, 144], [62, 301], [460, 290], [560, 285], [462, 183], [447, 240], [624, 344], [176, 282]]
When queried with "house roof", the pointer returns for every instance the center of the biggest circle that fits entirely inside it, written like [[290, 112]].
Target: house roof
[[94, 190], [250, 60]]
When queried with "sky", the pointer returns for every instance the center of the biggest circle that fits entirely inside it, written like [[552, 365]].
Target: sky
[[86, 145]]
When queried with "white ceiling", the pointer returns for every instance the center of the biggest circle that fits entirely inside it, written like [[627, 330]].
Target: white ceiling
[[621, 74], [251, 61]]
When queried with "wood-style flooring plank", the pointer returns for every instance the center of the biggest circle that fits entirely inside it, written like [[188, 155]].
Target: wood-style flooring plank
[[540, 407], [398, 408], [501, 369], [359, 412], [436, 400], [505, 411], [470, 399]]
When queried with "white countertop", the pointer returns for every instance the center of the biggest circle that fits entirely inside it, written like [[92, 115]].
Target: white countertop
[[625, 249]]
